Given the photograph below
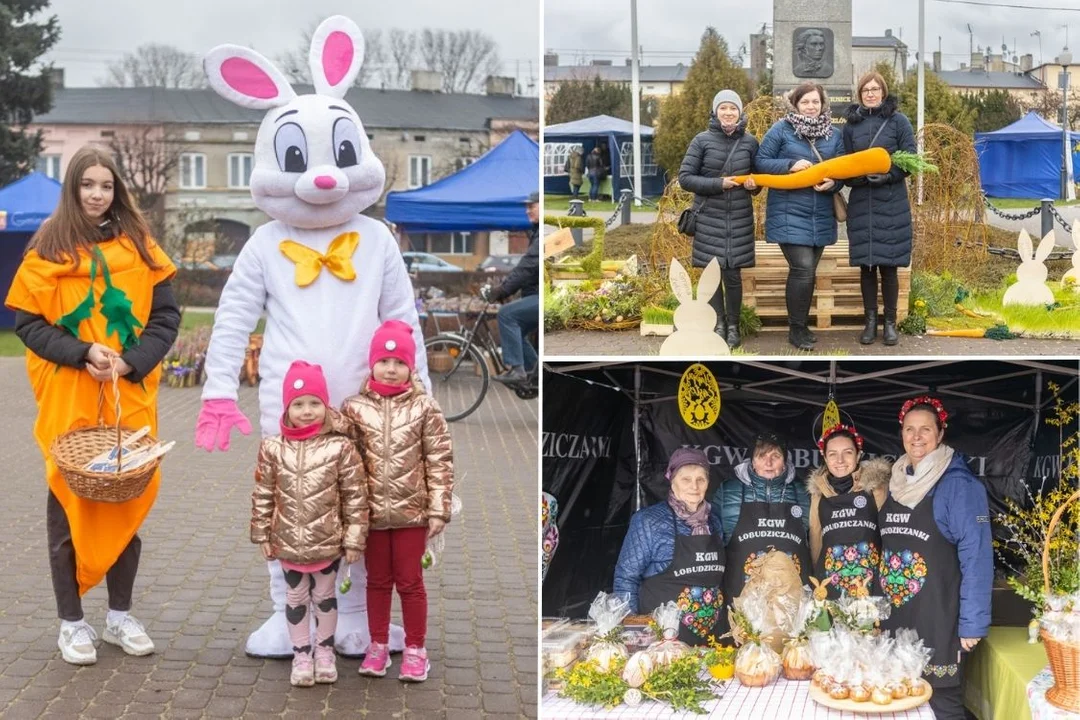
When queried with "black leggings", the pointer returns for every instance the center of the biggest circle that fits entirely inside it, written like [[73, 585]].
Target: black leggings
[[802, 263], [727, 302], [890, 288]]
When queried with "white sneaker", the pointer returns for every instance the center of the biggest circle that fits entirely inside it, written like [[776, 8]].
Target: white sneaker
[[76, 644], [129, 635]]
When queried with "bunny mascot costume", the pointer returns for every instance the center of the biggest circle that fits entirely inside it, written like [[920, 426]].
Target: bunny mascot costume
[[325, 275]]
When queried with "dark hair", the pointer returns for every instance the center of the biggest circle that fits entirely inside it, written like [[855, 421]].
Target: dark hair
[[766, 441], [927, 407], [840, 433], [69, 228], [866, 79], [805, 89]]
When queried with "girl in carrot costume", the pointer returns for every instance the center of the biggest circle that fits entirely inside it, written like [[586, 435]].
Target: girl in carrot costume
[[91, 296]]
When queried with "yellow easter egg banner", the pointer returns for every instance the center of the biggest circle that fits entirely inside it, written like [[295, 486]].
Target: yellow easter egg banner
[[699, 397]]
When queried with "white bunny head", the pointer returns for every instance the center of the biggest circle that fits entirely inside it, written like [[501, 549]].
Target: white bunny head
[[1030, 287], [314, 166], [695, 320]]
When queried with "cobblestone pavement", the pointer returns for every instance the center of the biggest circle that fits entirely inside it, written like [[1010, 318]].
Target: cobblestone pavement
[[202, 587]]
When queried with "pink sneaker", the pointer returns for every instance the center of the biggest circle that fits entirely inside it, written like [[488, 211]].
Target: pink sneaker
[[376, 661], [325, 665], [303, 672], [415, 665]]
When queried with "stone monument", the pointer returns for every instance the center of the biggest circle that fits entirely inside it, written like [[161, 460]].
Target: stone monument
[[812, 41]]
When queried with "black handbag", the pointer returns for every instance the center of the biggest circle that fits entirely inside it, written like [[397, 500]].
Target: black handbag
[[687, 223]]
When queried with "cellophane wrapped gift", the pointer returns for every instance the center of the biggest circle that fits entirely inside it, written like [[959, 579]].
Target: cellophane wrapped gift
[[860, 614], [774, 580], [757, 664], [607, 611], [668, 648], [1061, 620], [796, 660], [911, 656]]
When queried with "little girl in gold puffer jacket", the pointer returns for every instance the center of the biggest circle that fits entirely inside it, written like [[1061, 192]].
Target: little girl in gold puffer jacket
[[309, 507], [405, 445]]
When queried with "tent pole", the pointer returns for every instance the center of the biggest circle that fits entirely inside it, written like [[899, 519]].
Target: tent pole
[[635, 104], [637, 437], [1038, 401]]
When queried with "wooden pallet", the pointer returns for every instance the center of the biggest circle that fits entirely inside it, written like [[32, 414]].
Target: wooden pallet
[[837, 301]]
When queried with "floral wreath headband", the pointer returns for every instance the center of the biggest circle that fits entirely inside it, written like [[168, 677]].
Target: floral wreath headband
[[933, 402], [847, 429]]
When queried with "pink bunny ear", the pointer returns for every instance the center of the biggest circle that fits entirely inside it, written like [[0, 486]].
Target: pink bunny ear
[[337, 52], [245, 77]]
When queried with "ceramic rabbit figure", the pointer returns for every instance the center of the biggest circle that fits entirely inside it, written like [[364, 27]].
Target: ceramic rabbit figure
[[325, 275], [1030, 287], [695, 319], [1074, 271]]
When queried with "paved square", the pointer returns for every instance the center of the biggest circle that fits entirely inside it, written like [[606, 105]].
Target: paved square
[[202, 587]]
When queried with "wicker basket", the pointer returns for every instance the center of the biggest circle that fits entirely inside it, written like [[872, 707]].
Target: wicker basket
[[1064, 657], [75, 448]]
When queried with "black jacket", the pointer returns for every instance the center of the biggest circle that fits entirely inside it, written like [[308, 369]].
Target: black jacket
[[725, 222], [879, 212], [525, 277], [61, 347]]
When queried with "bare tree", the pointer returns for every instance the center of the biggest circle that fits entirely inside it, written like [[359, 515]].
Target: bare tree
[[464, 57], [148, 159], [393, 171], [400, 58], [294, 63], [154, 65]]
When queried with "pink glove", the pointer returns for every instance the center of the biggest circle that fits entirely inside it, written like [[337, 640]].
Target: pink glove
[[216, 419]]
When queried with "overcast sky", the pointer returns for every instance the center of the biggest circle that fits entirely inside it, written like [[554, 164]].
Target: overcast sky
[[96, 32], [672, 28]]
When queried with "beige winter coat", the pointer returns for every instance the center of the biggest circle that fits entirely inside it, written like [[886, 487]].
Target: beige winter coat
[[311, 498], [405, 445], [871, 476]]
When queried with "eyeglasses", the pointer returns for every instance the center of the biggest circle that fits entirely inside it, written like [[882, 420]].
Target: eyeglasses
[[871, 91]]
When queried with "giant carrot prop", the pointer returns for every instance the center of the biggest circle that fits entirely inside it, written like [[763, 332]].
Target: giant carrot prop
[[875, 161]]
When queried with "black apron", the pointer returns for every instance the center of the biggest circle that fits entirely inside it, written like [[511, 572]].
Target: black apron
[[850, 542], [764, 526], [694, 581], [920, 575]]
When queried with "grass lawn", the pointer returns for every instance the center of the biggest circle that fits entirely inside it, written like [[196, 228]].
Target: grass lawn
[[1062, 322], [10, 344], [1027, 204], [561, 203]]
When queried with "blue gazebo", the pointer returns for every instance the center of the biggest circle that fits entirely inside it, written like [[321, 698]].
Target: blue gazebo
[[613, 135], [24, 205], [1023, 160]]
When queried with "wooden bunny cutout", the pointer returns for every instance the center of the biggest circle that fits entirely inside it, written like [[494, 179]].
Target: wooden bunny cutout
[[1074, 272], [695, 320], [1030, 287]]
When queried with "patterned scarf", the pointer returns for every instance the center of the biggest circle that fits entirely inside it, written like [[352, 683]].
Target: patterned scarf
[[698, 520], [811, 128]]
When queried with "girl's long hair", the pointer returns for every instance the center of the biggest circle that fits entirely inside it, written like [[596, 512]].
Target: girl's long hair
[[69, 228]]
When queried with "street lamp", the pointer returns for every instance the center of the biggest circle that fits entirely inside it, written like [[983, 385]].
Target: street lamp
[[1064, 60]]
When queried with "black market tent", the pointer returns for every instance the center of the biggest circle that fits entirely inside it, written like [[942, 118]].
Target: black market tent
[[609, 428], [1023, 160], [24, 205], [488, 194], [612, 135]]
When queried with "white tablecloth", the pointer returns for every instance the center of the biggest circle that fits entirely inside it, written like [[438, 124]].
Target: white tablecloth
[[1040, 708], [782, 699]]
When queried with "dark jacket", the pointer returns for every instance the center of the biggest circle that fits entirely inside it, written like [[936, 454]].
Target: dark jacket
[[649, 547], [962, 513], [725, 222], [594, 164], [879, 213], [798, 217], [525, 276], [747, 486]]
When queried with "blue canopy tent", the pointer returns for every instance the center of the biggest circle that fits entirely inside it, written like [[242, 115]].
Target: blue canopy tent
[[489, 194], [24, 205], [612, 135], [1023, 160]]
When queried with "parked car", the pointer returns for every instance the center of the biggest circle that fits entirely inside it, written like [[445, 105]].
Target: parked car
[[499, 263], [426, 262]]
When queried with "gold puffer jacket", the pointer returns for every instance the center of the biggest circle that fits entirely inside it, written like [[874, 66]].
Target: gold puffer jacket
[[311, 497], [407, 454]]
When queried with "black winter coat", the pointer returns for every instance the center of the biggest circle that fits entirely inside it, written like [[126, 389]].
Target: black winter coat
[[725, 223], [879, 212], [525, 277]]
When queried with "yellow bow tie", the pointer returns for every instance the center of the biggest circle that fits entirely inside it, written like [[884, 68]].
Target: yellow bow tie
[[309, 263]]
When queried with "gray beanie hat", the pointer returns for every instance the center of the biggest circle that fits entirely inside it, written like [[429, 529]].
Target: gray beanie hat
[[726, 96]]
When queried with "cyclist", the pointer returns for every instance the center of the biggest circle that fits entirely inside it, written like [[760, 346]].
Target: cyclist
[[522, 316]]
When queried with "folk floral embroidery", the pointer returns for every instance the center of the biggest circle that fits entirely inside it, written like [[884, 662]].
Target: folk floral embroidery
[[549, 511], [903, 575], [942, 670], [700, 608], [760, 554], [846, 565]]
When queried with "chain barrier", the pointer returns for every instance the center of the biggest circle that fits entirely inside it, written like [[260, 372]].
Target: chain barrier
[[1061, 221], [1012, 216], [618, 209]]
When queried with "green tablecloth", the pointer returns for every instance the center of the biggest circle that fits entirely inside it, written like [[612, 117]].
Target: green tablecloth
[[605, 187], [998, 672]]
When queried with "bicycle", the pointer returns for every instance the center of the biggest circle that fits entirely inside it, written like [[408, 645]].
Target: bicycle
[[459, 370]]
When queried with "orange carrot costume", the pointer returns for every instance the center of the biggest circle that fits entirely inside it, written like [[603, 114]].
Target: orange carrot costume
[[67, 397]]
